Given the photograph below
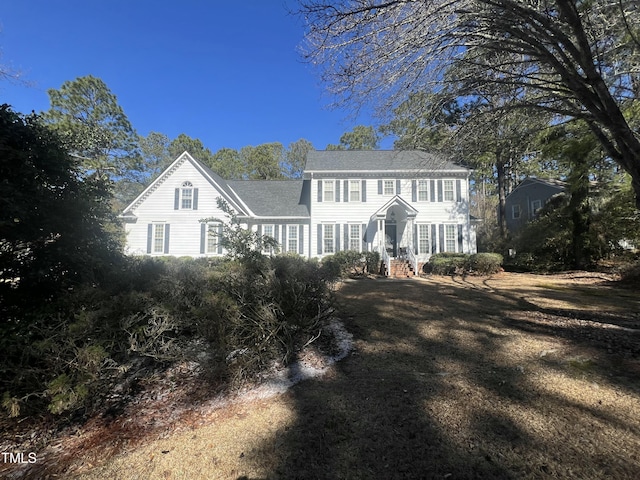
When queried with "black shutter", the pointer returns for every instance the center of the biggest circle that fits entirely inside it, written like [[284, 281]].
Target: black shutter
[[379, 187], [364, 191], [319, 239], [337, 190], [346, 236], [460, 249], [176, 199], [166, 238], [276, 233], [440, 190], [260, 230], [364, 237], [219, 239], [301, 239], [149, 237], [336, 232], [203, 237], [458, 191], [442, 244], [346, 190], [319, 191], [398, 187], [432, 190], [415, 239], [414, 193], [195, 198], [433, 238]]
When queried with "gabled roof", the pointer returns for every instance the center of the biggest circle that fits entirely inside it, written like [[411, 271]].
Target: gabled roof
[[377, 161], [557, 184], [395, 200], [272, 198], [213, 178]]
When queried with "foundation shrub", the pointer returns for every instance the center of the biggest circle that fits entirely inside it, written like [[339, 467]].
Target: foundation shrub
[[446, 263], [349, 262], [484, 263]]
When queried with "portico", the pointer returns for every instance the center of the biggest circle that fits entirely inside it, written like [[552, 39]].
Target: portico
[[395, 222]]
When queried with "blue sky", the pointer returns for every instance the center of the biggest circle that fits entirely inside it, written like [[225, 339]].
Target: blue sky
[[226, 72]]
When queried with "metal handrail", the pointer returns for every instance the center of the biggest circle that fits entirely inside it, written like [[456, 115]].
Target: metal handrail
[[413, 259], [387, 261]]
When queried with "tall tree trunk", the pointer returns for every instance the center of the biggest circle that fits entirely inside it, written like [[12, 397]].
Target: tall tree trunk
[[502, 194], [580, 216]]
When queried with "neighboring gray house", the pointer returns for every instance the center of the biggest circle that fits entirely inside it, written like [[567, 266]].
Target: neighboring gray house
[[404, 204], [526, 200]]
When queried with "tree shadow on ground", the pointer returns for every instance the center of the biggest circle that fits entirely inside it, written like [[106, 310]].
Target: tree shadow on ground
[[432, 390]]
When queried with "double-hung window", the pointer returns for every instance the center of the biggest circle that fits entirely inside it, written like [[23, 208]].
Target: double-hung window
[[354, 190], [423, 190], [388, 187], [292, 238], [355, 241], [515, 211], [158, 238], [450, 238], [536, 205], [424, 242], [328, 191], [213, 237], [267, 230], [328, 240], [186, 196], [449, 193]]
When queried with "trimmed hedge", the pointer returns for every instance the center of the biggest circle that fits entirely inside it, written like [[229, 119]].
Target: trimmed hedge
[[349, 262], [462, 263]]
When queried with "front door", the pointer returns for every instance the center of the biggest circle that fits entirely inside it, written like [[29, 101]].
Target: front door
[[391, 242]]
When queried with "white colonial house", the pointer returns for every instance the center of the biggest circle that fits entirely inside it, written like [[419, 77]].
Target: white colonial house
[[405, 204]]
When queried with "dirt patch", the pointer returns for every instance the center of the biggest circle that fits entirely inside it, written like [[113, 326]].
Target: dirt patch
[[509, 376]]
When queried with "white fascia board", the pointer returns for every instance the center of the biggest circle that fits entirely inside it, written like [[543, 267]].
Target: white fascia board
[[152, 184]]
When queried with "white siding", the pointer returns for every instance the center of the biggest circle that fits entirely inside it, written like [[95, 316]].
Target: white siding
[[432, 212], [158, 206]]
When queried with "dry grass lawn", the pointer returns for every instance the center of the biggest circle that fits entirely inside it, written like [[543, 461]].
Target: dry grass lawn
[[511, 376]]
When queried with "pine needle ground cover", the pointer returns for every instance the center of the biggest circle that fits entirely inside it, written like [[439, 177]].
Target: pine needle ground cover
[[510, 376]]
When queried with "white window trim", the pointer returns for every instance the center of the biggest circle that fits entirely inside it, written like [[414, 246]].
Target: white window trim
[[426, 190], [326, 251], [357, 238], [154, 239], [427, 229], [516, 208], [358, 189], [535, 210], [324, 190], [186, 186], [211, 249], [384, 187], [269, 250], [446, 191], [292, 228], [448, 227]]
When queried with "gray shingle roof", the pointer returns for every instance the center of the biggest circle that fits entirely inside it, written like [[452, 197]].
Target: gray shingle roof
[[376, 160], [273, 198]]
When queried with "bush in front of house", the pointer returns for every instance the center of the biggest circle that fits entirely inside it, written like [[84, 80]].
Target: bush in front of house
[[463, 263], [484, 263], [446, 263], [232, 317], [349, 262]]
